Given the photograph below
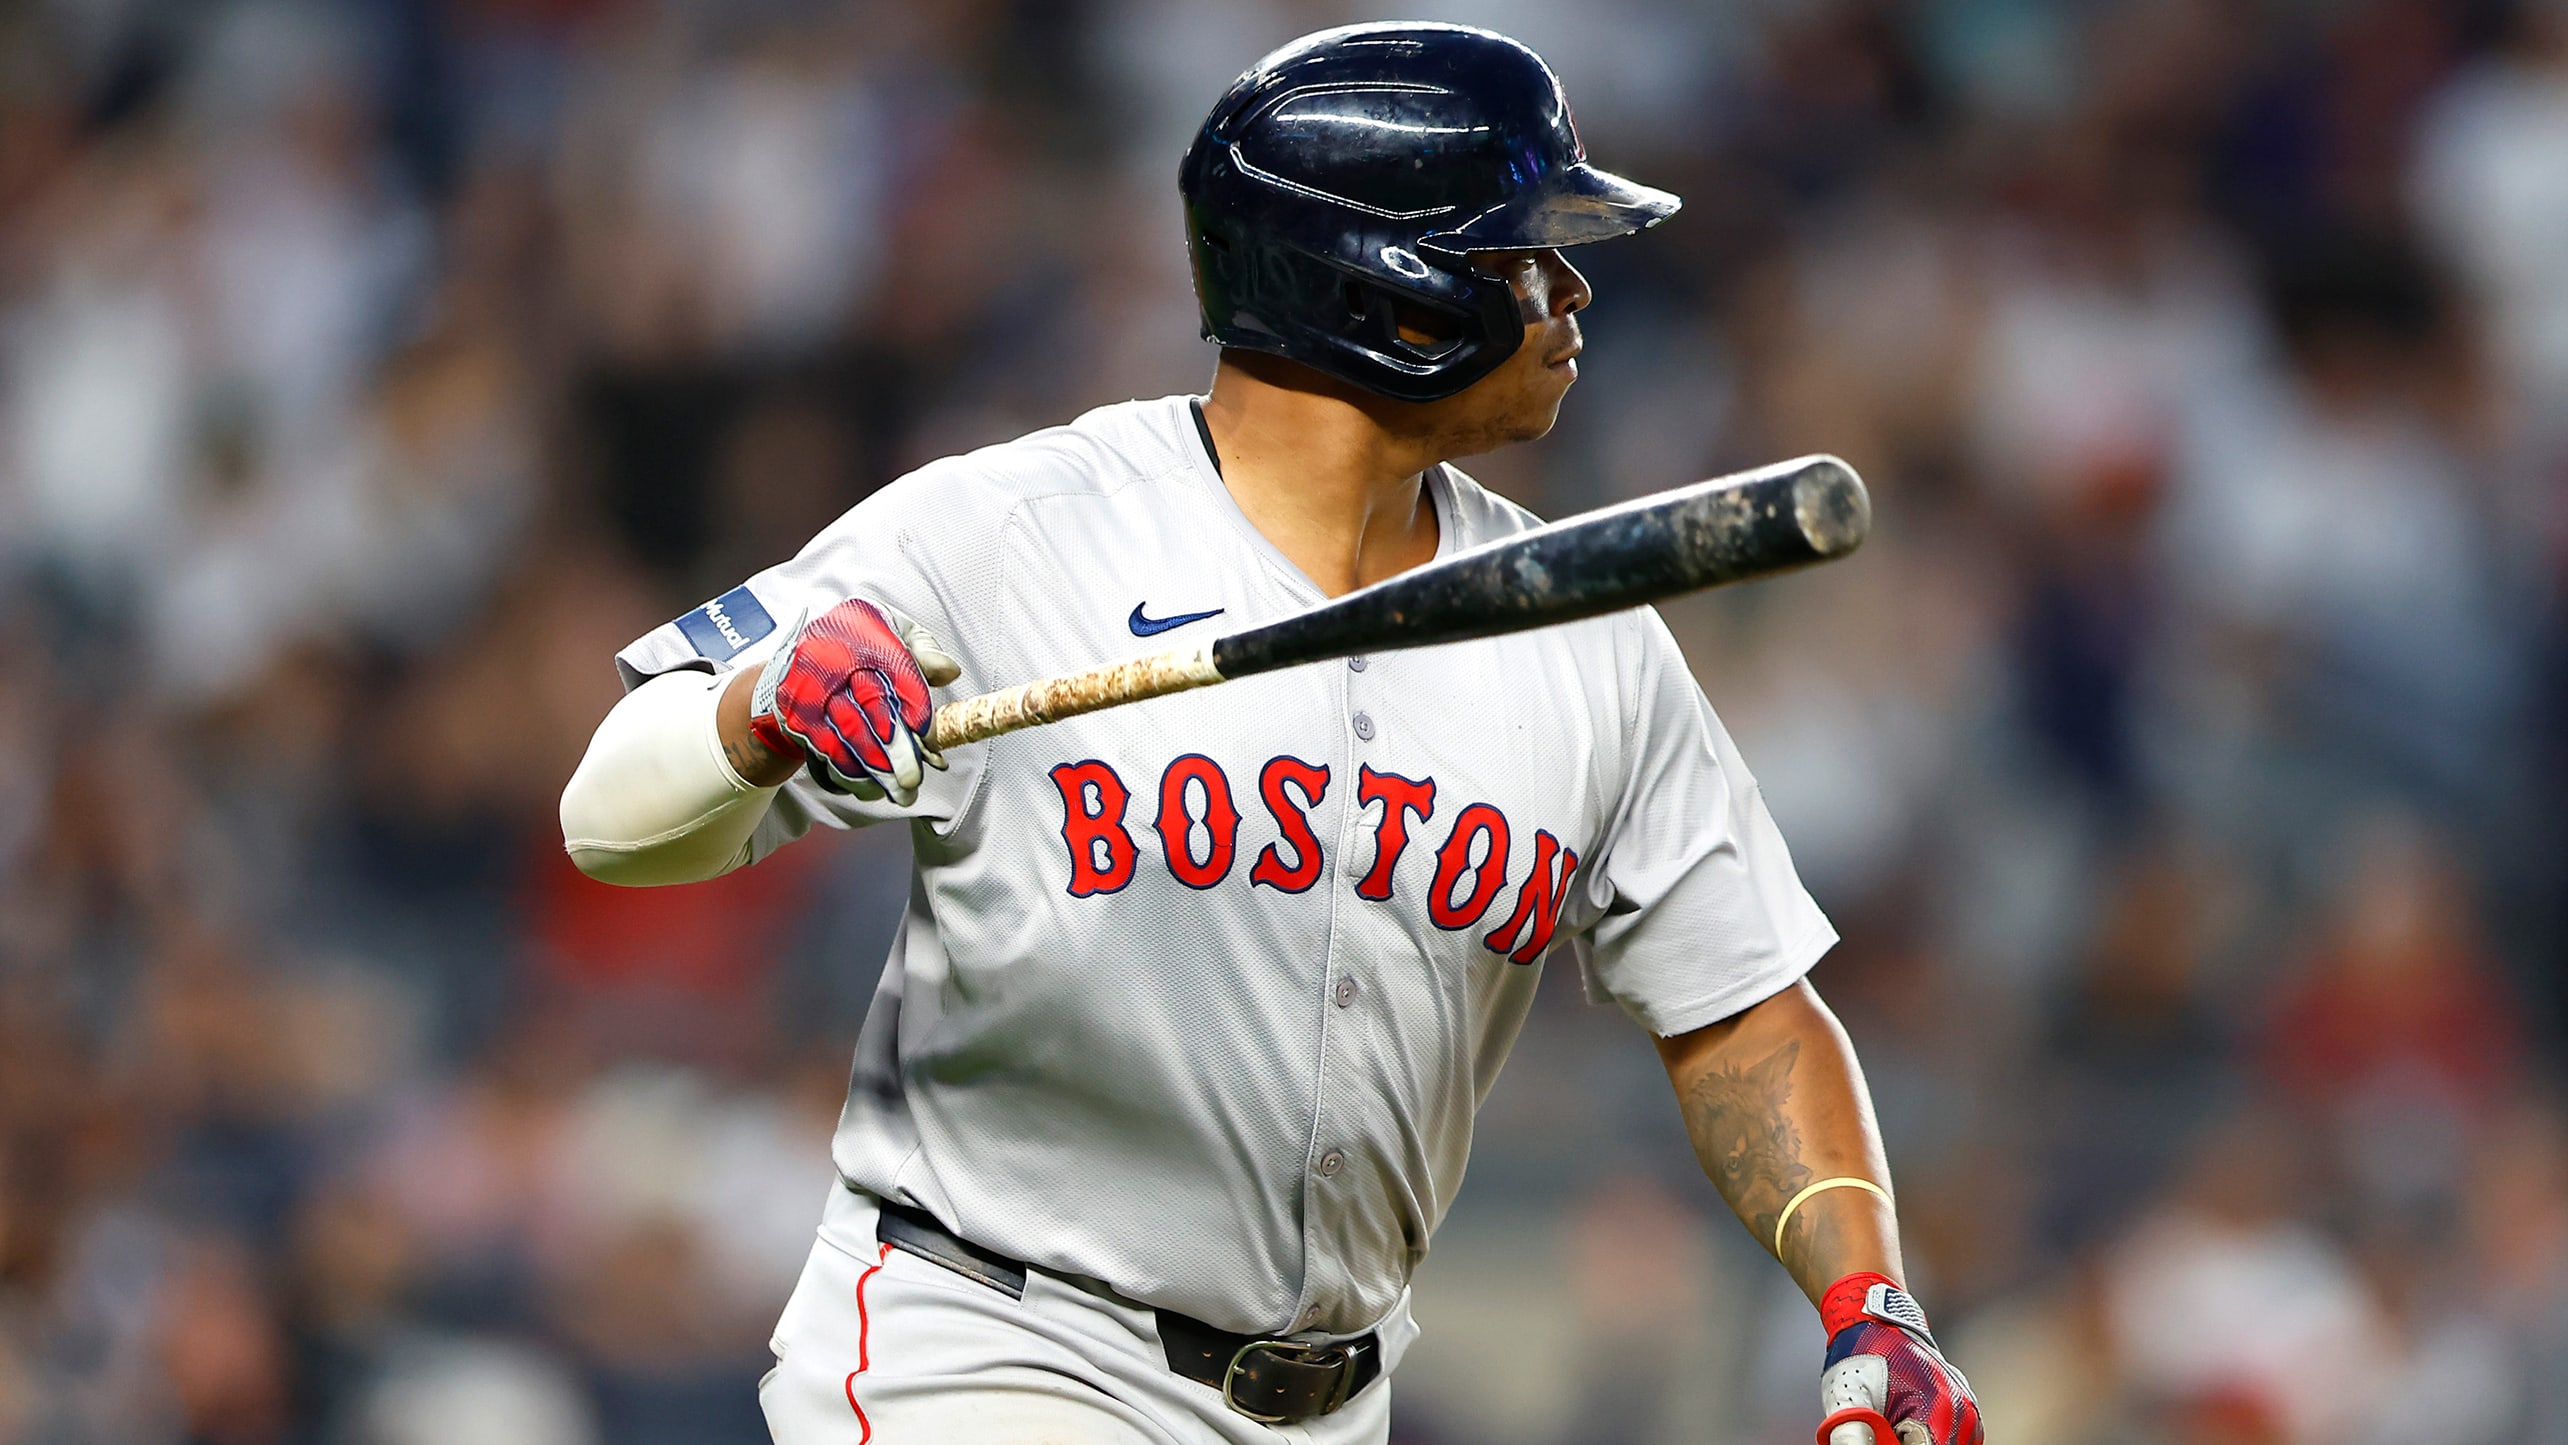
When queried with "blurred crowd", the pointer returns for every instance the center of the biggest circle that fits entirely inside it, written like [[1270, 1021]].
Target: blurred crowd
[[2182, 760]]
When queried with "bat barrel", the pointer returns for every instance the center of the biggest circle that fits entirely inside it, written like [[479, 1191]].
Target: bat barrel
[[1830, 508], [1755, 524]]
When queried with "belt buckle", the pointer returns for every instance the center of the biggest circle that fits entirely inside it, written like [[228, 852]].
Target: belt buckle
[[1308, 1354]]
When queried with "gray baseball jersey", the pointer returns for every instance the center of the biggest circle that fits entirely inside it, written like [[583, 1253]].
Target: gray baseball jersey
[[1198, 997]]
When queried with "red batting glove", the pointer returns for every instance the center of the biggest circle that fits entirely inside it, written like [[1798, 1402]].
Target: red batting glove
[[847, 692], [1883, 1363]]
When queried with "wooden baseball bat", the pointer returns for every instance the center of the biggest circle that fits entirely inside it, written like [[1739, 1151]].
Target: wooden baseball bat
[[1729, 529]]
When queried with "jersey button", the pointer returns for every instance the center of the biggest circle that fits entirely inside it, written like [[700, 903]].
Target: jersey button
[[1364, 726], [1345, 992], [1331, 1163], [1357, 664]]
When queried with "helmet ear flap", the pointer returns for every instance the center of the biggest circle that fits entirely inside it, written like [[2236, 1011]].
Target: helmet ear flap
[[1422, 344], [1403, 325], [1266, 294], [1371, 318]]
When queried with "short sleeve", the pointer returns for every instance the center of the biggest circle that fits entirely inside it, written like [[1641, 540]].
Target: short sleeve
[[919, 547], [1699, 913]]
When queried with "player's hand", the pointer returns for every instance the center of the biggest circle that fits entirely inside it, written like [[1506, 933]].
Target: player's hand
[[1882, 1362], [847, 691]]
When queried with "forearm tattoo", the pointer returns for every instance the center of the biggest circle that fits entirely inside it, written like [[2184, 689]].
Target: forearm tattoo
[[748, 756], [1746, 1141]]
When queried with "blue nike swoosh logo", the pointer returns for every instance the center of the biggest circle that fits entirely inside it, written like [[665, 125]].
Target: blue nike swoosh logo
[[1153, 626]]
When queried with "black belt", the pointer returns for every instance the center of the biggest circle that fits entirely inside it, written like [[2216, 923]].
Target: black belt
[[1272, 1381]]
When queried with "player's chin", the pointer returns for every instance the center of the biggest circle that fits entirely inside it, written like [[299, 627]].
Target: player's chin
[[1542, 399], [1533, 418], [1517, 403]]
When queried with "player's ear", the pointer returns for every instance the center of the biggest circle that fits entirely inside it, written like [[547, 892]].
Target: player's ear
[[1421, 327]]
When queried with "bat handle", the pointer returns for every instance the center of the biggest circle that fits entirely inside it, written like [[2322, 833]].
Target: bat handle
[[1856, 1425], [1051, 699]]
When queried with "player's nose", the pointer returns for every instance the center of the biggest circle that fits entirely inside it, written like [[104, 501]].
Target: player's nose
[[1568, 289]]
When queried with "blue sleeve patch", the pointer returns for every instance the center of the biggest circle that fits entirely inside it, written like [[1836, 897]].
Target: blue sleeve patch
[[730, 622]]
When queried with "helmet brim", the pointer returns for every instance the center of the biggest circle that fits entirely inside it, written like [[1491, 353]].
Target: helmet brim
[[1581, 204]]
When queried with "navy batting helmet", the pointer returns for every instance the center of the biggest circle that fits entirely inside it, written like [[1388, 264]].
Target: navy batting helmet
[[1352, 173]]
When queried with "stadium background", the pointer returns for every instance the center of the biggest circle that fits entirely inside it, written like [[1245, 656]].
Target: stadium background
[[2182, 760]]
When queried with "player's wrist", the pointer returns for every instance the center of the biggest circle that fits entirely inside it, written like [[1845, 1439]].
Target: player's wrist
[[756, 747], [770, 734], [1868, 1295]]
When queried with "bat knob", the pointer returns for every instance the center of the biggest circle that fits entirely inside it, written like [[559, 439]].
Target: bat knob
[[1856, 1425], [1830, 505]]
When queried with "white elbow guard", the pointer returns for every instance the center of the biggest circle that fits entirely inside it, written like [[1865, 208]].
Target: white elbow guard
[[655, 801]]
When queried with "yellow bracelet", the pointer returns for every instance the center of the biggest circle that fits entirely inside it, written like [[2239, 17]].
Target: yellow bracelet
[[1848, 1182]]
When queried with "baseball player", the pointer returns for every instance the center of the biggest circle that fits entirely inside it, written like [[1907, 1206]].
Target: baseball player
[[1173, 1067]]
